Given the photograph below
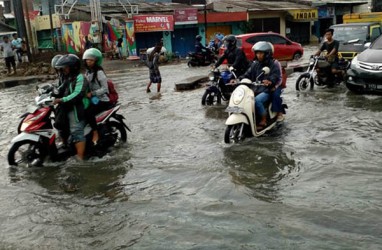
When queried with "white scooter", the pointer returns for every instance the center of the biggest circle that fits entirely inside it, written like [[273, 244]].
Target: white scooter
[[241, 122]]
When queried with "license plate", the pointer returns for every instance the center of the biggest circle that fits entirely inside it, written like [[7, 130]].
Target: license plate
[[234, 109]]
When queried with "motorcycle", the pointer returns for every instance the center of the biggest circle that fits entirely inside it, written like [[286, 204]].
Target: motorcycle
[[201, 59], [242, 120], [319, 73], [219, 86], [38, 139]]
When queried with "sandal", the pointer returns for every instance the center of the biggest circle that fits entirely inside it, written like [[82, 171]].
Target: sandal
[[261, 126]]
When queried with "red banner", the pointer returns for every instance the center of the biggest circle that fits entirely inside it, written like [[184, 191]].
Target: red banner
[[150, 23], [186, 16]]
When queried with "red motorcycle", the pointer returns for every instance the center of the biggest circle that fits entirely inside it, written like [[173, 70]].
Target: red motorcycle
[[37, 140]]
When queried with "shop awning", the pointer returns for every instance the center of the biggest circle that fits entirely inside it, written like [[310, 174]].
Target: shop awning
[[222, 17], [303, 15]]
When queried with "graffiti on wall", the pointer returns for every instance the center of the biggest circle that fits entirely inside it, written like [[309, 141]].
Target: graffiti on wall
[[130, 38], [73, 36]]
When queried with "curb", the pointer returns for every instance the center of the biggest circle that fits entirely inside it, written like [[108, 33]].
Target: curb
[[25, 80], [191, 83]]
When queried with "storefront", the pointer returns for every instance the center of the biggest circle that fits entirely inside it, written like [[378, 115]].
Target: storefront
[[151, 29], [298, 24], [186, 29]]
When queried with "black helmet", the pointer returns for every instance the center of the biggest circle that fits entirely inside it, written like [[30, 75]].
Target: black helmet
[[229, 41], [198, 38], [71, 61]]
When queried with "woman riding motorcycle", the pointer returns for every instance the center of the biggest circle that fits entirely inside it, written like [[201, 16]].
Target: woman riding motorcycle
[[272, 82], [74, 89], [98, 88]]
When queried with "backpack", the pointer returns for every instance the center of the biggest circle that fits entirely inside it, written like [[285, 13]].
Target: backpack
[[113, 95]]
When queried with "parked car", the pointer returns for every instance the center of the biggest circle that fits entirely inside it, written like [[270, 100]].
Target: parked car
[[285, 49], [365, 73]]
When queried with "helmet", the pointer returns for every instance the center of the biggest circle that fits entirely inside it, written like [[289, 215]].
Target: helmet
[[198, 38], [94, 54], [265, 47], [229, 41], [71, 61], [54, 60]]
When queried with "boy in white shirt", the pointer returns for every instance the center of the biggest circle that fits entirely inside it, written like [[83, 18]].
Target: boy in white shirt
[[7, 48]]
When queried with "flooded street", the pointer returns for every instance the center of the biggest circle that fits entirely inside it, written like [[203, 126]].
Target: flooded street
[[315, 183]]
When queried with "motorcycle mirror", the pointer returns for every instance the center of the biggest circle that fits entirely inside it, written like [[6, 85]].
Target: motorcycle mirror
[[266, 70]]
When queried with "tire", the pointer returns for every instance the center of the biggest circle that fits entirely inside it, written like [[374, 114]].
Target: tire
[[296, 56], [189, 64], [303, 83], [119, 130], [232, 132], [32, 152], [208, 99]]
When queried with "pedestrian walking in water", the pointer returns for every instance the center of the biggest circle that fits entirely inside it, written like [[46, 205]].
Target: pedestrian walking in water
[[153, 64], [9, 57]]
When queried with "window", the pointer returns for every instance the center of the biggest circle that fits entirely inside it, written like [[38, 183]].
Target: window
[[253, 39], [375, 33], [278, 40]]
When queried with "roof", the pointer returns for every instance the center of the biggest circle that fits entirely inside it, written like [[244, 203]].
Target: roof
[[248, 5], [354, 24]]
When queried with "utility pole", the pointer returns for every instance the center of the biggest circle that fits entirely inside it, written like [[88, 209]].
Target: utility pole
[[51, 25], [20, 23], [26, 13]]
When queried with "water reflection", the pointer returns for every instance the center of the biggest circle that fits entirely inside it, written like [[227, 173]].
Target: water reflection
[[260, 164], [217, 112], [369, 102], [92, 179]]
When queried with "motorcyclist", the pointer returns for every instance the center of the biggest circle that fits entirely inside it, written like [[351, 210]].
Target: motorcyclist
[[61, 126], [98, 94], [272, 81], [331, 46], [74, 89], [235, 57], [199, 48]]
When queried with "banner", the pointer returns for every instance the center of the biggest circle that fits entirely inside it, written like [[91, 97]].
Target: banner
[[151, 23], [186, 16]]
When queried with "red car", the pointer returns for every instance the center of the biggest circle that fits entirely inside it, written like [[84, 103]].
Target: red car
[[285, 49]]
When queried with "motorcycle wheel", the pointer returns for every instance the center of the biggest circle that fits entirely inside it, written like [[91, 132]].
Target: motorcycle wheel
[[208, 98], [231, 134], [25, 152], [189, 64], [303, 83], [118, 130]]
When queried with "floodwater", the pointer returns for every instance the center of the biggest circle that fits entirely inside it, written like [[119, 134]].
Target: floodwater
[[315, 183]]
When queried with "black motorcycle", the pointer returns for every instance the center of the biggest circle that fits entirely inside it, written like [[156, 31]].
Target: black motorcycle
[[201, 59], [319, 73], [219, 87]]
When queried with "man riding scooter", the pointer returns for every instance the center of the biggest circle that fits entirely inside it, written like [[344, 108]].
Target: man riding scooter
[[272, 81]]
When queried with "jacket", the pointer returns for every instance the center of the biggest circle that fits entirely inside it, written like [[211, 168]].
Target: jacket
[[74, 92], [98, 84], [274, 75], [235, 58]]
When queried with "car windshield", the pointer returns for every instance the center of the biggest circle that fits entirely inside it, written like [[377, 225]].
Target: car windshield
[[377, 44], [349, 33]]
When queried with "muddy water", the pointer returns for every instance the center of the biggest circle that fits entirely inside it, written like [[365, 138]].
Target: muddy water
[[315, 183]]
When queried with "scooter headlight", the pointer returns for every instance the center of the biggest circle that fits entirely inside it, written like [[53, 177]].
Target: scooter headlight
[[211, 76], [238, 96]]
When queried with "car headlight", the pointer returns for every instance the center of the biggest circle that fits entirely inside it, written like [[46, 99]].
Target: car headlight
[[211, 76], [354, 62], [238, 96]]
